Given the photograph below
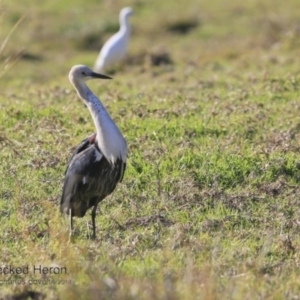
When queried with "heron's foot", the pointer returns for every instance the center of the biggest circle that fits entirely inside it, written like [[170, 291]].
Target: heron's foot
[[91, 236], [71, 237]]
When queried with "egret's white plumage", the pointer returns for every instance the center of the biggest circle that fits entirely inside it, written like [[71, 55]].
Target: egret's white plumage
[[115, 48], [99, 162]]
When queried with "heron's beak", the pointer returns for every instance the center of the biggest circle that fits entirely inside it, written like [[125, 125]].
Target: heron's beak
[[97, 75]]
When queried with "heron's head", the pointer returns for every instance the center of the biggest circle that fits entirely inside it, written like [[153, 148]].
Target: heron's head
[[81, 73], [125, 13]]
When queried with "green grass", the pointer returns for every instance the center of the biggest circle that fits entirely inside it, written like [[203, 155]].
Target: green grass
[[209, 205]]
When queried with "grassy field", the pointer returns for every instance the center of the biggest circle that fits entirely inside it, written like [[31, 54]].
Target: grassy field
[[208, 101]]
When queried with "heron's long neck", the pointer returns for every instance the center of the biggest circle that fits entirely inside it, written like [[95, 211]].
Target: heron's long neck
[[109, 138]]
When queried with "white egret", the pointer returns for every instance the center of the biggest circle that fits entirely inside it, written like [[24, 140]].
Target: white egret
[[115, 49]]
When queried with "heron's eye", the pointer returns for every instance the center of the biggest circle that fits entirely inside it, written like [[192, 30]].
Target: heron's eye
[[83, 73]]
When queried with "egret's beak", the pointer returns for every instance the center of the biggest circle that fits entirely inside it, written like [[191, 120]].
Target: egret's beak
[[97, 75]]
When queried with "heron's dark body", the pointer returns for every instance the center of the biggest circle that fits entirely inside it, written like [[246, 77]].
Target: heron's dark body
[[89, 178]]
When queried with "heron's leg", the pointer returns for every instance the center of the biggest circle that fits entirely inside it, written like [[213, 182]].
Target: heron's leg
[[71, 224], [93, 220], [88, 228], [71, 221]]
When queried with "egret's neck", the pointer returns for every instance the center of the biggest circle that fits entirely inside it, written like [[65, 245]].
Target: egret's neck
[[124, 25], [110, 140]]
